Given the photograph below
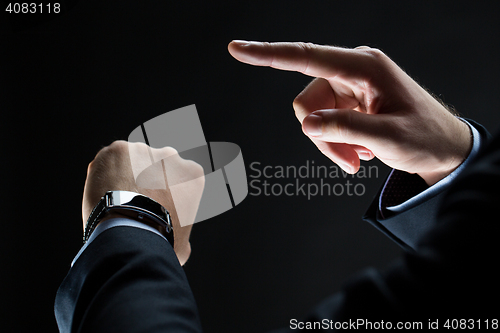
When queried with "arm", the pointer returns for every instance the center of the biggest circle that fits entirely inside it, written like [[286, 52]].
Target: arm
[[362, 105], [127, 277], [127, 280], [453, 273]]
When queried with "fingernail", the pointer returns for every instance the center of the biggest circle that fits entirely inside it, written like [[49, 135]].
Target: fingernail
[[241, 42], [313, 125], [365, 155]]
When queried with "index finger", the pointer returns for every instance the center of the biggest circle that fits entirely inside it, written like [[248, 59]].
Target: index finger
[[307, 58]]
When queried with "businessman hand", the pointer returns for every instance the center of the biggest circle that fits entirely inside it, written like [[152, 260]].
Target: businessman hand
[[114, 167], [362, 105]]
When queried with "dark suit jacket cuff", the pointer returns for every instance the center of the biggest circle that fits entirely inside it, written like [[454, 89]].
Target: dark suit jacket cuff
[[127, 280], [407, 223]]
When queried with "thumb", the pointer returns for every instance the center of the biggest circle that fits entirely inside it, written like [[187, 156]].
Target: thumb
[[348, 126]]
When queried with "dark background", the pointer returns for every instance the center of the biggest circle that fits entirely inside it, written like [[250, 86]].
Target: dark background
[[73, 83]]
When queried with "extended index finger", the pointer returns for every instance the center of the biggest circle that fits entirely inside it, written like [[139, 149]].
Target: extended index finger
[[307, 58]]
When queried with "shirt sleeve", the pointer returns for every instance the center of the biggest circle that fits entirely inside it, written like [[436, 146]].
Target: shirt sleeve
[[451, 275], [405, 208], [112, 223]]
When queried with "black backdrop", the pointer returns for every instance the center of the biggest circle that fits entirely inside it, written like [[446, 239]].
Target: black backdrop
[[73, 83]]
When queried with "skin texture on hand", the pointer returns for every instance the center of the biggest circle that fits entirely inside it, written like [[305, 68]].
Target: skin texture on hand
[[113, 170], [362, 105]]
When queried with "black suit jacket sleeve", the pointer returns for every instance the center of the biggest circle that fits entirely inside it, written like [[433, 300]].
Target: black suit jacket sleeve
[[408, 227], [452, 274], [127, 280]]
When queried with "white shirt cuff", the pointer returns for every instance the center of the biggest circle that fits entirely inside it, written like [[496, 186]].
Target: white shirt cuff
[[441, 185], [111, 223]]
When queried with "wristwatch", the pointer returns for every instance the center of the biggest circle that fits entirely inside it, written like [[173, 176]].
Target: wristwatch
[[135, 205]]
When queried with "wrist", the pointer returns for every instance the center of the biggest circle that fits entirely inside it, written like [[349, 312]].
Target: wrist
[[460, 149], [133, 205]]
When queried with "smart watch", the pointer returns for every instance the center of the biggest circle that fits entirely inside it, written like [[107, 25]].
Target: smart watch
[[135, 205]]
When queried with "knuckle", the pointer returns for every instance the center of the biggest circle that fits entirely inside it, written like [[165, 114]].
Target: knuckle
[[308, 52], [197, 179], [197, 170], [170, 150], [118, 147], [299, 107], [138, 144], [118, 144], [137, 147], [307, 47], [375, 59], [342, 124], [90, 166], [298, 103], [374, 53]]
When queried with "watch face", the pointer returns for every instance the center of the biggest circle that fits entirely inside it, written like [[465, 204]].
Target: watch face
[[123, 197], [132, 202], [141, 203]]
